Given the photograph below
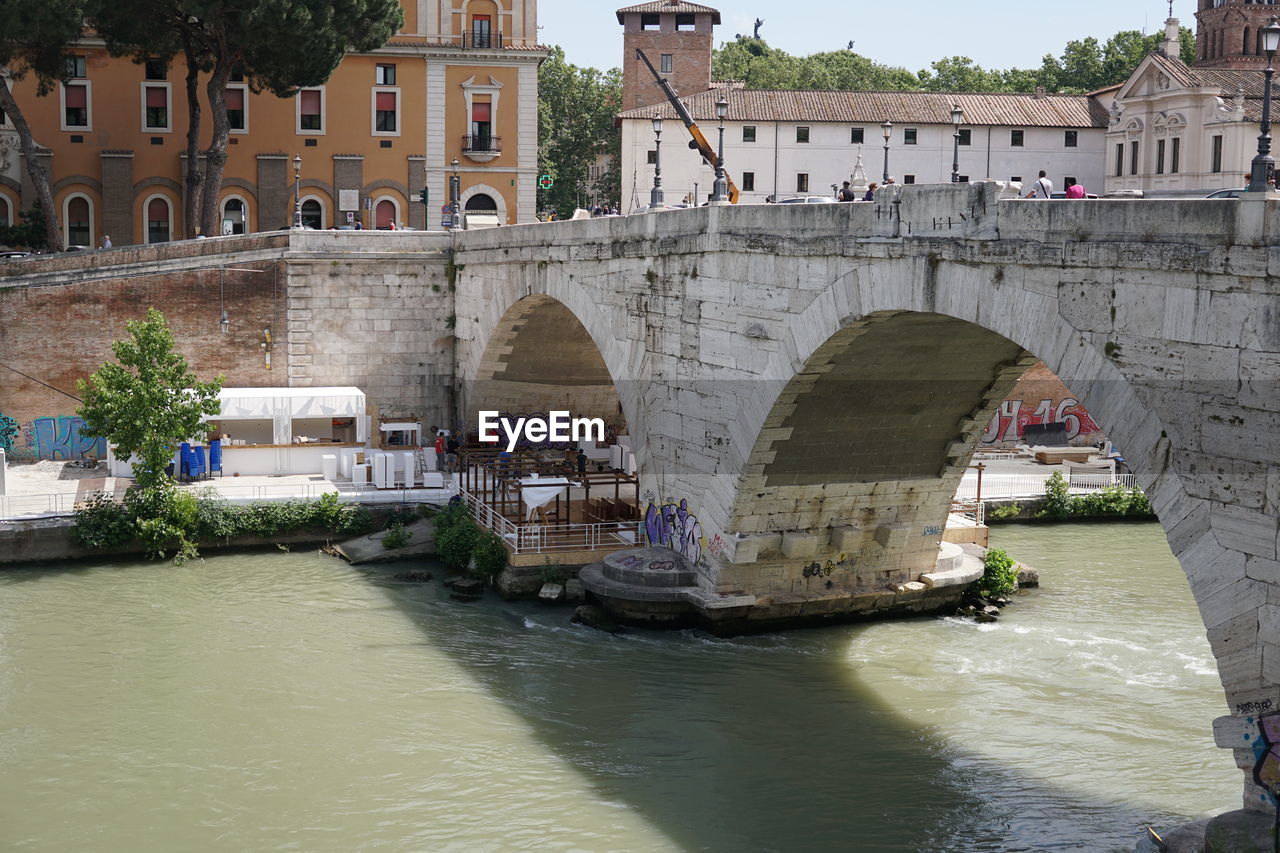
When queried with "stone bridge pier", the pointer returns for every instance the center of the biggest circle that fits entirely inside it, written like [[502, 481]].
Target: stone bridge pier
[[804, 385]]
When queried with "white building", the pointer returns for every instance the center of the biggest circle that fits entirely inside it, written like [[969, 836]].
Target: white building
[[787, 143], [1180, 130]]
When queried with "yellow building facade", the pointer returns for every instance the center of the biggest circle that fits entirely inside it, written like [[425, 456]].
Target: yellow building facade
[[457, 83]]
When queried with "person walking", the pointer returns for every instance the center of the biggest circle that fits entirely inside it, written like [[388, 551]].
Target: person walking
[[1043, 187], [1074, 189], [871, 192], [846, 193], [106, 241]]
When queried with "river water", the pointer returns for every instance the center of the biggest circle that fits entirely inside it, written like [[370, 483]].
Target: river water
[[291, 702]]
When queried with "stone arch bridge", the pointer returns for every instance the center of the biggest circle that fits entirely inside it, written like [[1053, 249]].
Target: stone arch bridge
[[804, 384]]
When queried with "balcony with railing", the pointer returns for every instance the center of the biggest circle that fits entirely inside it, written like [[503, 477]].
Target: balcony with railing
[[477, 40], [481, 147]]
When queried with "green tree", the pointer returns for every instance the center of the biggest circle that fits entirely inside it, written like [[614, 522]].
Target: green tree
[[148, 402], [576, 110], [960, 74], [34, 37]]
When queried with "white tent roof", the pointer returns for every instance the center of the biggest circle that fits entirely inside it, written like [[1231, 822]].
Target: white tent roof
[[290, 403]]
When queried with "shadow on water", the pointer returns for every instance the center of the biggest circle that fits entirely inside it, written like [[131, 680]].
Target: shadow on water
[[764, 743]]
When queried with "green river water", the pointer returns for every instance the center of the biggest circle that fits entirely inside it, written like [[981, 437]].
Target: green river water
[[261, 702]]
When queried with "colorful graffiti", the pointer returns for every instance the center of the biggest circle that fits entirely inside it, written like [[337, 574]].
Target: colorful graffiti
[[57, 437], [673, 526], [1012, 419]]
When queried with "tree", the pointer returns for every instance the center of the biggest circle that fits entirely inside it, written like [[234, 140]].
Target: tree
[[34, 36], [246, 36], [576, 110], [147, 403], [960, 74], [160, 29]]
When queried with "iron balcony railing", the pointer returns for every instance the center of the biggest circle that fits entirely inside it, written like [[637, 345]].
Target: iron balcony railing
[[481, 143], [481, 40]]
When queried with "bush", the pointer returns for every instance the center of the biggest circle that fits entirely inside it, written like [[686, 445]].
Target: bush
[[1057, 501], [396, 536], [553, 572], [455, 543], [490, 555], [1004, 512], [999, 574], [101, 522]]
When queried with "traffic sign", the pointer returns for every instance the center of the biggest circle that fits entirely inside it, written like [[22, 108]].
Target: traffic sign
[[546, 182]]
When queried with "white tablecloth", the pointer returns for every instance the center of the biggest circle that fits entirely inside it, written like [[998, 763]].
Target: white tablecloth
[[539, 491]]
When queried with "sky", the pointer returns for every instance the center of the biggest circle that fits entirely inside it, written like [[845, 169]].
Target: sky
[[910, 33]]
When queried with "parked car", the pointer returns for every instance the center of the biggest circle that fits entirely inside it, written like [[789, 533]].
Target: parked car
[[6, 254], [808, 199], [1230, 193]]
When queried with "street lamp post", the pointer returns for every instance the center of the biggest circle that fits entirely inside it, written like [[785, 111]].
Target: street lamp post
[[455, 196], [655, 195], [297, 191], [1263, 164], [720, 190], [957, 119], [887, 127]]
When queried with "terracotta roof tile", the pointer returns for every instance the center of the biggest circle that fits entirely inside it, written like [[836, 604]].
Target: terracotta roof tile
[[678, 6], [1003, 110]]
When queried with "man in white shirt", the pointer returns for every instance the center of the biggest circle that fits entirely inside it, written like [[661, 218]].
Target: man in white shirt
[[1042, 188]]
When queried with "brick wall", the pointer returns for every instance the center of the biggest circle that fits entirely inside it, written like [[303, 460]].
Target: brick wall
[[690, 65]]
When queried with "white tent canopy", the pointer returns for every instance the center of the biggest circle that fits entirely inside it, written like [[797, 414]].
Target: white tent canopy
[[282, 405]]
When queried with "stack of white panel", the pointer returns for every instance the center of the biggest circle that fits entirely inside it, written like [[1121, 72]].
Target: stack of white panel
[[406, 457], [381, 469], [360, 474]]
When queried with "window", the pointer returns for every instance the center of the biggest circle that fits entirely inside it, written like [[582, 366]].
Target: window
[[237, 75], [651, 156], [748, 181], [311, 110], [75, 103], [312, 214], [79, 222], [158, 221], [1070, 139], [385, 75], [665, 63], [802, 134], [802, 182], [685, 21], [1016, 138], [966, 136], [156, 102], [1133, 157], [1215, 162], [6, 212], [76, 67], [482, 126], [480, 33], [385, 112], [908, 179], [1120, 159], [156, 69], [649, 21], [908, 136], [1159, 156], [749, 133], [855, 135], [1015, 179], [1175, 154], [235, 100]]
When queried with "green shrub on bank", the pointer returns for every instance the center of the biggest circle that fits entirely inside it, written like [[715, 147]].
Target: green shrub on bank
[[490, 555], [999, 574], [1109, 502], [1004, 512], [169, 520], [396, 536], [1057, 497], [456, 535]]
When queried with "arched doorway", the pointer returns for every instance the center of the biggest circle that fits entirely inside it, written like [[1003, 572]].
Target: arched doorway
[[312, 214], [159, 220], [79, 227], [234, 216], [481, 203], [385, 215]]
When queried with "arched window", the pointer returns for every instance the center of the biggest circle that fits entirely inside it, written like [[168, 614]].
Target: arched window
[[1245, 48], [158, 221], [482, 203], [312, 214], [79, 228], [234, 216], [6, 211], [385, 214]]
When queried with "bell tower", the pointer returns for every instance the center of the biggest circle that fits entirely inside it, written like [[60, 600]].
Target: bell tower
[[1228, 33], [676, 36]]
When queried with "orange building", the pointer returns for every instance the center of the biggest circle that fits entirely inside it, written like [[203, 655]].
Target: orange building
[[457, 83]]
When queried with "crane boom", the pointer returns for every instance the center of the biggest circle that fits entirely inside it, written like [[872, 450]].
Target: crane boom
[[699, 142]]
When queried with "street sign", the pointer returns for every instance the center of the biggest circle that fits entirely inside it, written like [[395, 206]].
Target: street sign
[[546, 182]]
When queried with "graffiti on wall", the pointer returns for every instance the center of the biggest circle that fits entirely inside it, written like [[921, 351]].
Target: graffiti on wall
[[673, 526], [1013, 418], [57, 437]]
